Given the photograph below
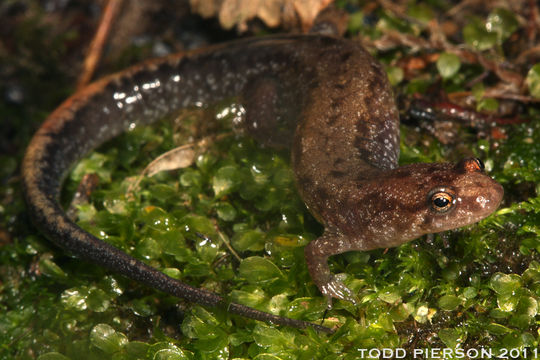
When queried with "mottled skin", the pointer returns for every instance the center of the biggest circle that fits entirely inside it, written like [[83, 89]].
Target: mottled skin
[[326, 98]]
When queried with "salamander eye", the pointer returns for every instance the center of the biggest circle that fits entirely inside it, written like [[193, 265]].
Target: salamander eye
[[480, 163], [441, 200]]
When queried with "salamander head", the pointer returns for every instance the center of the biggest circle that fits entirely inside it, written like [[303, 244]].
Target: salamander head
[[449, 196], [470, 197], [418, 199]]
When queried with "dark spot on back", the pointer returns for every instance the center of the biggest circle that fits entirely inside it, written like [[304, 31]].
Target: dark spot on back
[[340, 86], [165, 68], [337, 174], [323, 195], [332, 119], [346, 56], [337, 162], [374, 85], [144, 76]]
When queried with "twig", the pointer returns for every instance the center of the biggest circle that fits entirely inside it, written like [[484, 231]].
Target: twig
[[98, 42]]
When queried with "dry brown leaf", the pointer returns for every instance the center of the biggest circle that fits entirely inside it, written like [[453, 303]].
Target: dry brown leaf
[[237, 13], [178, 158]]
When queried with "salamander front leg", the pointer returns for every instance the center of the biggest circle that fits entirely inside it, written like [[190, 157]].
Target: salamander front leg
[[317, 253]]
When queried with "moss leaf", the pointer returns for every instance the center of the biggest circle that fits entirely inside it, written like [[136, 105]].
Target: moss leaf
[[505, 284], [449, 302], [448, 65], [450, 337], [502, 22], [533, 81], [225, 180], [104, 337], [258, 270]]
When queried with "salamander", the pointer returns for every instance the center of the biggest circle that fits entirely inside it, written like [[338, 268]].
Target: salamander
[[325, 98]]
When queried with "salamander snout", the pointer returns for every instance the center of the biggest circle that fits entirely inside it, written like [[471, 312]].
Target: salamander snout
[[482, 193], [495, 193]]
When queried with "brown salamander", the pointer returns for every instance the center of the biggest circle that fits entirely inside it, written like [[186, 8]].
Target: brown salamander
[[325, 97]]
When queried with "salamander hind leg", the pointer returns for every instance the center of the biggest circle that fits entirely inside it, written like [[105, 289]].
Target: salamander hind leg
[[317, 253]]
